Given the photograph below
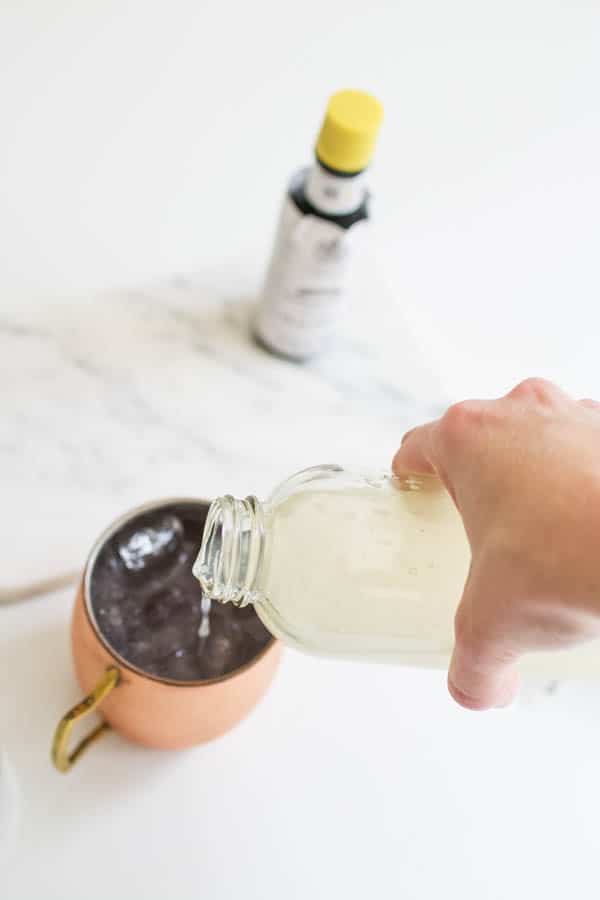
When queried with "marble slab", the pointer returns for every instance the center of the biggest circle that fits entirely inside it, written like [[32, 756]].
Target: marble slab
[[113, 399]]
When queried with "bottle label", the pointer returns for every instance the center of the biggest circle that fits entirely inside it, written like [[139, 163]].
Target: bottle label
[[305, 285]]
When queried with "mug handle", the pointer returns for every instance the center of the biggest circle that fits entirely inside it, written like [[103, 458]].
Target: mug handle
[[61, 757]]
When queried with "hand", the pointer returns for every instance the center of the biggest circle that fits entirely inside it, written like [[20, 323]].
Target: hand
[[524, 473]]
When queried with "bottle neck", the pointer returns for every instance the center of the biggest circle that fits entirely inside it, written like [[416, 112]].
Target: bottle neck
[[229, 563], [333, 193]]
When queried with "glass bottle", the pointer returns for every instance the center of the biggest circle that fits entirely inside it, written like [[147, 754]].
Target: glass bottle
[[325, 210], [341, 562]]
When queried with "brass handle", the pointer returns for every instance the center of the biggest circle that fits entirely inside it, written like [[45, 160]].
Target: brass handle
[[61, 757]]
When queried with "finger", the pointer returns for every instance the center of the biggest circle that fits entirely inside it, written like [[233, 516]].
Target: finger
[[482, 673], [540, 390], [590, 404], [478, 682], [415, 453]]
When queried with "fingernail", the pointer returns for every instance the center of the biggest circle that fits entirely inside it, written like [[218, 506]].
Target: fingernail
[[507, 697], [504, 703]]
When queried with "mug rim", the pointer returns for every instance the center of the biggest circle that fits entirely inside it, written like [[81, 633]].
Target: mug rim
[[97, 546]]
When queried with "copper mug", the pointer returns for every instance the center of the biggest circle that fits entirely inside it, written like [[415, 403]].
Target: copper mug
[[147, 709]]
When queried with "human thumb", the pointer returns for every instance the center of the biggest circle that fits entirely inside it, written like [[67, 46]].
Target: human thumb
[[482, 673]]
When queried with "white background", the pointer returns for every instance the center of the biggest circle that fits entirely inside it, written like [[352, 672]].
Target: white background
[[140, 141]]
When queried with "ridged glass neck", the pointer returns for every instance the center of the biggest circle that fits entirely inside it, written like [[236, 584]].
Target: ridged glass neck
[[233, 548]]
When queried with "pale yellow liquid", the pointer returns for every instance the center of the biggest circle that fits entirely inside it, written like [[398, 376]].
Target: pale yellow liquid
[[375, 571]]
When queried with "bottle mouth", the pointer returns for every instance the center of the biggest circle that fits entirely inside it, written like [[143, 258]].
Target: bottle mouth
[[232, 551]]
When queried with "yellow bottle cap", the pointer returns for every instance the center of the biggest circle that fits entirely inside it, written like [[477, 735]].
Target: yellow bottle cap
[[349, 131]]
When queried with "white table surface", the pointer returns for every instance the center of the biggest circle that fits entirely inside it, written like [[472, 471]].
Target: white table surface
[[141, 166]]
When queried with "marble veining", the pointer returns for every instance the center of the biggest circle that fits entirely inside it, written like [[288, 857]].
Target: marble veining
[[110, 400]]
